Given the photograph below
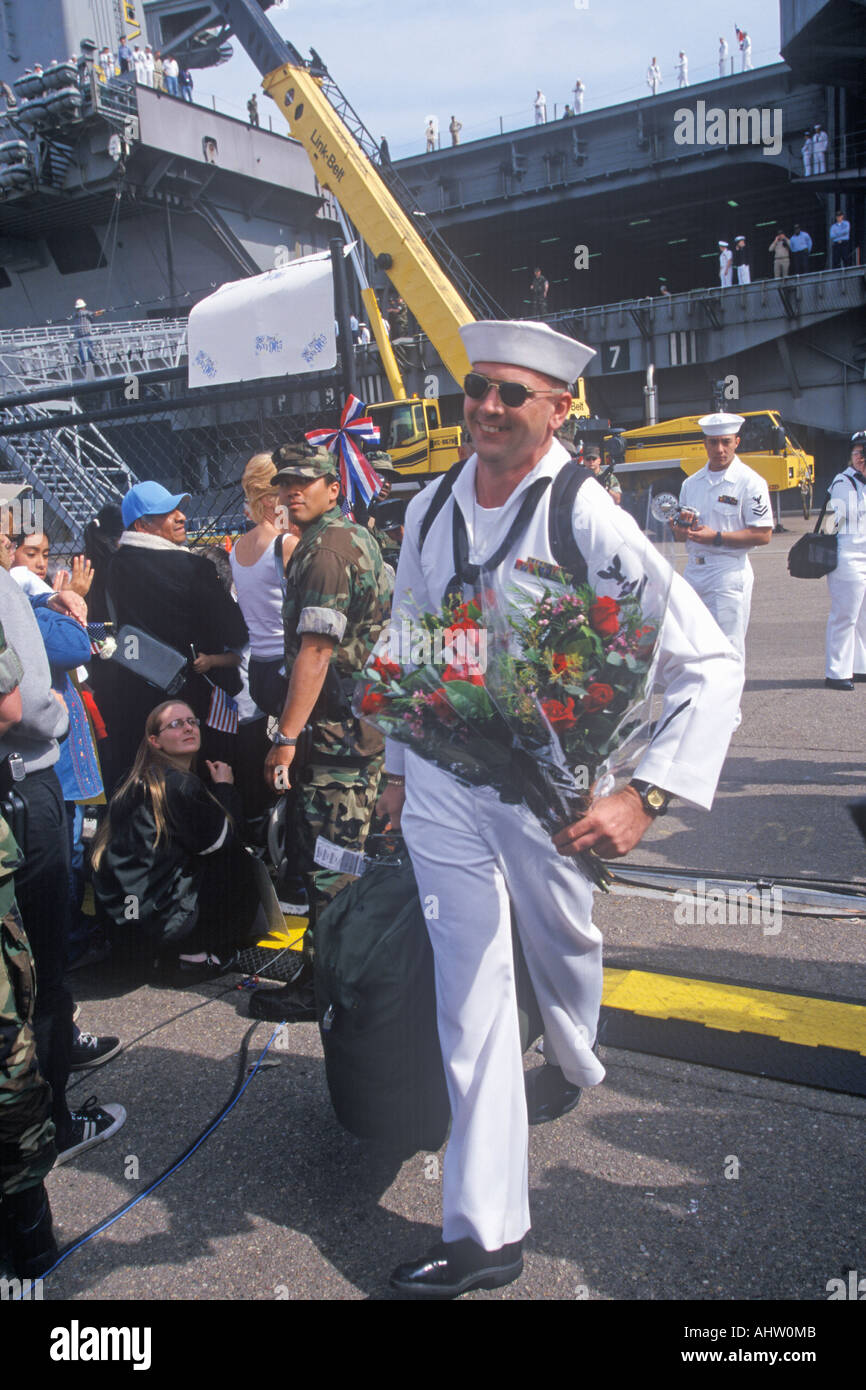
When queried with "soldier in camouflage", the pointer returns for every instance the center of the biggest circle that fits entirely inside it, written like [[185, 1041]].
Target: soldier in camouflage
[[27, 1149], [338, 599], [383, 465]]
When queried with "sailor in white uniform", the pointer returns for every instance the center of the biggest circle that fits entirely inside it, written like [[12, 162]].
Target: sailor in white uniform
[[846, 625], [807, 151], [820, 141], [723, 57], [682, 70], [473, 855], [734, 515], [726, 265]]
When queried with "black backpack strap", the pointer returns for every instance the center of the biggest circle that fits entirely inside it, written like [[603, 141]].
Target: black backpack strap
[[468, 574], [443, 491], [566, 485], [565, 488]]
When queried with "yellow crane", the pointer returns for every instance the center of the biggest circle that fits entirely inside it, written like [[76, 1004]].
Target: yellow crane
[[432, 281]]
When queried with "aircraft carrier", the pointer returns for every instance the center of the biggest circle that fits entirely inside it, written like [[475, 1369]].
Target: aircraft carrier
[[141, 204], [722, 1158]]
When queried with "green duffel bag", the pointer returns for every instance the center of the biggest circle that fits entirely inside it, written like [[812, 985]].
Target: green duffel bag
[[377, 1012]]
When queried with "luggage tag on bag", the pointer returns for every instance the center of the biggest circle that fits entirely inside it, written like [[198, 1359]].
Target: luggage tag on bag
[[342, 861]]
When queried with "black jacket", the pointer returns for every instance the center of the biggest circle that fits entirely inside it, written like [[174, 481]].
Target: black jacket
[[151, 892], [175, 596]]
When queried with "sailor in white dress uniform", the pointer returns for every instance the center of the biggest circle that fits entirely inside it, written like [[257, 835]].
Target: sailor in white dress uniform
[[473, 855], [846, 625], [733, 506]]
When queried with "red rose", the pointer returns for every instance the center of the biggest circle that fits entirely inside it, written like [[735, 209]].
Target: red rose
[[560, 715], [464, 611], [440, 704], [387, 670], [604, 616], [559, 663], [371, 702], [597, 696], [465, 624], [466, 672]]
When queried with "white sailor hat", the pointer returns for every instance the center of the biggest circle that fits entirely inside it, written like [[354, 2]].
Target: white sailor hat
[[714, 426], [725, 244], [519, 343], [739, 237]]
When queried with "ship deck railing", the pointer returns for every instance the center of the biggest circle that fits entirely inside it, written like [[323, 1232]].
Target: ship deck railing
[[48, 355]]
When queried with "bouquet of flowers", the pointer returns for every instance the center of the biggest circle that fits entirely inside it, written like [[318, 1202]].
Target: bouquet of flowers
[[540, 702]]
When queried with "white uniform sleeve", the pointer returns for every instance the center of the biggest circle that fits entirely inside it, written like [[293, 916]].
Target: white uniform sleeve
[[756, 503], [702, 678], [699, 672], [840, 504]]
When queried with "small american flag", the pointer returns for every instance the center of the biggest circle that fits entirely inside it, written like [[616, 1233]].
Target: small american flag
[[97, 633], [223, 712]]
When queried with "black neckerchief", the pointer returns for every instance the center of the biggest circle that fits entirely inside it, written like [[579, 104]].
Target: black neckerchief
[[468, 574]]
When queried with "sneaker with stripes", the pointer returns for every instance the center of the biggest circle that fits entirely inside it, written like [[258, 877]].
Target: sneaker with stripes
[[90, 1125]]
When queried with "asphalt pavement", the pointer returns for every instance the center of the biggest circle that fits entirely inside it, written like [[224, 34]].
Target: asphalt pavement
[[670, 1181]]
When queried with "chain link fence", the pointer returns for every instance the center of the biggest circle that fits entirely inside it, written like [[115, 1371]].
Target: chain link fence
[[189, 444]]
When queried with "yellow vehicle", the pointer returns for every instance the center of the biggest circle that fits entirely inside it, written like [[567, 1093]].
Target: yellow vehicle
[[765, 445], [413, 434]]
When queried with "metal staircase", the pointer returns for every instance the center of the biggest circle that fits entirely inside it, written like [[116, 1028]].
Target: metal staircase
[[73, 467]]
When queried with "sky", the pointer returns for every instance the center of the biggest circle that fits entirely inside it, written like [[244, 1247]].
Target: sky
[[399, 63]]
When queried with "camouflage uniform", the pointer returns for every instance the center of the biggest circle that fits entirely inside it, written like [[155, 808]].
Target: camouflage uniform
[[26, 1130], [336, 585]]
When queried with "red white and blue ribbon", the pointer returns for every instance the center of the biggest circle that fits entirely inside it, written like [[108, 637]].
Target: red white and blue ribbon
[[358, 477]]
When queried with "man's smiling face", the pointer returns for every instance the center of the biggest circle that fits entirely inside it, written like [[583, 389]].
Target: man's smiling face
[[507, 437]]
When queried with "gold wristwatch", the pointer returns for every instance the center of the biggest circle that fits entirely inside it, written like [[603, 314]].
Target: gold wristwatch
[[655, 800]]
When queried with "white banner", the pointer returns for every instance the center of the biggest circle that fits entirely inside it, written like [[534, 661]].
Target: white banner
[[277, 324]]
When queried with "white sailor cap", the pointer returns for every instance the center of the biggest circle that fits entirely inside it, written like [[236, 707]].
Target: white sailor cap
[[739, 237], [725, 244], [519, 343], [714, 426]]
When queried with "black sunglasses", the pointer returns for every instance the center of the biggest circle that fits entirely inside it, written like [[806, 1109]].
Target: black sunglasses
[[511, 393]]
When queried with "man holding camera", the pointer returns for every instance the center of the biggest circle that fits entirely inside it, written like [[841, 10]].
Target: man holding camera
[[733, 516]]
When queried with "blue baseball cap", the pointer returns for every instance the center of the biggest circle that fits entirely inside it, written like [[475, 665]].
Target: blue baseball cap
[[149, 499]]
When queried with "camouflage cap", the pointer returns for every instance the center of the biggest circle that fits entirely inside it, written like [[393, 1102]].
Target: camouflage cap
[[302, 460], [381, 461]]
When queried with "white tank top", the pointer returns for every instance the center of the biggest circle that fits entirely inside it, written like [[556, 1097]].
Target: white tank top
[[260, 596]]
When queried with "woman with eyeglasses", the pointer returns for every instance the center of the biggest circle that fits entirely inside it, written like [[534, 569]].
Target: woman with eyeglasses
[[169, 868]]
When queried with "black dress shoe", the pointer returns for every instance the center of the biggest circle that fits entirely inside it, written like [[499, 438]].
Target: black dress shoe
[[294, 1003], [454, 1267], [840, 685], [549, 1094]]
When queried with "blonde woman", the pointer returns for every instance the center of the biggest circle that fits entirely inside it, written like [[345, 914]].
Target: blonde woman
[[170, 844], [258, 563]]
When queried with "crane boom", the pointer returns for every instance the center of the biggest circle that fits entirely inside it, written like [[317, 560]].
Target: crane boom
[[342, 166]]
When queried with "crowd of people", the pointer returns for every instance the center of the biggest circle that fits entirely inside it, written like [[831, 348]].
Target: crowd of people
[[789, 255], [188, 691], [147, 66]]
